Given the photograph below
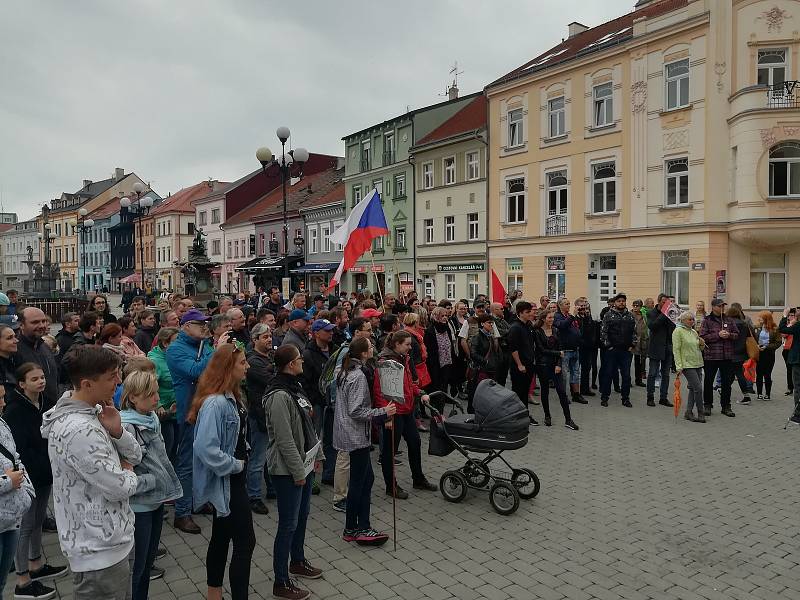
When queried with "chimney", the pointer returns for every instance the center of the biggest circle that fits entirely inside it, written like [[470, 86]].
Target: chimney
[[452, 92], [87, 183], [575, 28], [119, 174]]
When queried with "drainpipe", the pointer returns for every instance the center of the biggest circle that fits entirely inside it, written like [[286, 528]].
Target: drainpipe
[[479, 137]]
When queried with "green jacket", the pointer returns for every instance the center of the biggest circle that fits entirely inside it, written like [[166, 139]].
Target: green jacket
[[166, 393], [686, 348]]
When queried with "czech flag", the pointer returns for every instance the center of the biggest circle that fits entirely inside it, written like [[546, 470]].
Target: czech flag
[[364, 224]]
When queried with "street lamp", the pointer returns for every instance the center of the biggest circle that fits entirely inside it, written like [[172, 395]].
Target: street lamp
[[83, 225], [296, 157], [142, 209]]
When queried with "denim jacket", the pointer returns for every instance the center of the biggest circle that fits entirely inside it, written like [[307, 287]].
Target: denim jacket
[[215, 435]]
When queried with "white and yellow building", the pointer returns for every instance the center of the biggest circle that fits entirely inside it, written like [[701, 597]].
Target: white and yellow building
[[659, 151]]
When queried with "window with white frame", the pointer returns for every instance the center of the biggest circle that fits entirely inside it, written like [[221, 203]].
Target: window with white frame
[[313, 239], [472, 285], [214, 215], [473, 165], [388, 147], [767, 280], [428, 226], [235, 248], [515, 137], [603, 104], [677, 83], [400, 186], [356, 194], [377, 184], [336, 225], [556, 277], [675, 275], [366, 163], [514, 274], [515, 200], [557, 117], [262, 244], [604, 190], [449, 170], [326, 238], [379, 243], [450, 286], [472, 226], [557, 203], [772, 67], [677, 172], [400, 238], [428, 286], [230, 249], [450, 229], [427, 175], [784, 169]]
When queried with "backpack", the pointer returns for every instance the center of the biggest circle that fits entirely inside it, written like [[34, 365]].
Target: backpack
[[327, 380]]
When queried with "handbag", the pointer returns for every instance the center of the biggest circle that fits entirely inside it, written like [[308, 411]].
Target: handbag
[[752, 347]]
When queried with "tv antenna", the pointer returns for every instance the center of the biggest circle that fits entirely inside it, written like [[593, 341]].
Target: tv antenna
[[451, 91]]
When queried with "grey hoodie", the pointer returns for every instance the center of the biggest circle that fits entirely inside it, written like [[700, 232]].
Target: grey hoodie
[[90, 488]]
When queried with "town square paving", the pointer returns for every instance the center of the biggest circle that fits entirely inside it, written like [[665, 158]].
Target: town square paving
[[635, 505]]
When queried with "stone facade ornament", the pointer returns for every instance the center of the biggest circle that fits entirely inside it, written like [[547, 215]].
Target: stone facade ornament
[[791, 131], [774, 18], [638, 96], [719, 69], [768, 138]]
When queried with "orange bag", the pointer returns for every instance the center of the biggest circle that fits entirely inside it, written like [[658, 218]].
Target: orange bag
[[749, 370]]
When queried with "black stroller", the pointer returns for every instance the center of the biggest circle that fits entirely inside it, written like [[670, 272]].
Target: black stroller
[[500, 423]]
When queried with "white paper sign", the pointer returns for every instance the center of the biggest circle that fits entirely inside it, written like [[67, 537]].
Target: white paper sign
[[311, 456], [391, 378]]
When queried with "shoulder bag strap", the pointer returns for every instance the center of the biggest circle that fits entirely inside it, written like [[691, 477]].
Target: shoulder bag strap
[[10, 456]]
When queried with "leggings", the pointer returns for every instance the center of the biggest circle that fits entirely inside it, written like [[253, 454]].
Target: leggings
[[789, 382], [547, 374], [29, 546], [359, 490], [764, 366], [237, 527]]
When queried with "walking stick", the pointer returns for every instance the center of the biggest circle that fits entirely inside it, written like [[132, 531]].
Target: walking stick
[[394, 493]]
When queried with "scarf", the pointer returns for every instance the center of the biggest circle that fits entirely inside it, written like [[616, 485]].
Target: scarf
[[441, 327], [291, 385], [134, 417]]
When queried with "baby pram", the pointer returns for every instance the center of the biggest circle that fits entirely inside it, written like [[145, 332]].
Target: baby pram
[[500, 423]]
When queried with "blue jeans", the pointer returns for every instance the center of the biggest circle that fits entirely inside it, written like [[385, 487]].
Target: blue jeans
[[571, 362], [615, 361], [329, 466], [146, 535], [257, 462], [294, 502], [659, 367], [8, 547], [183, 468], [168, 431]]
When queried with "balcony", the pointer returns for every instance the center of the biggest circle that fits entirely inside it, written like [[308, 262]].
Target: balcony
[[365, 165], [555, 225], [784, 95]]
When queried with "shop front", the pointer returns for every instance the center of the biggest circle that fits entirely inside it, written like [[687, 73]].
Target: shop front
[[267, 271], [316, 274]]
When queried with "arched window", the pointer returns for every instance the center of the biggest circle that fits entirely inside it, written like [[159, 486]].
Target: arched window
[[784, 169]]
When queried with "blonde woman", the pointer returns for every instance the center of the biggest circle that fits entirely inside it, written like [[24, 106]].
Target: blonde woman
[[687, 349]]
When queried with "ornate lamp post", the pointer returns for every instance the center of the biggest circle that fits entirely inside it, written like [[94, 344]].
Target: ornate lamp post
[[284, 164], [83, 225], [143, 206], [47, 236]]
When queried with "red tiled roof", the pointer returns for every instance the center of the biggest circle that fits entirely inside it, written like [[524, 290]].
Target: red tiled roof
[[591, 40], [6, 226], [469, 118], [335, 194], [181, 201], [105, 210]]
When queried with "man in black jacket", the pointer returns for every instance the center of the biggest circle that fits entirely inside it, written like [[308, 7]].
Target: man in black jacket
[[618, 337], [69, 326], [89, 328], [587, 348], [498, 314], [659, 350], [521, 343], [31, 348]]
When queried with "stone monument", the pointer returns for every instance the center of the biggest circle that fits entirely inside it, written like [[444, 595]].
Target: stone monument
[[197, 270]]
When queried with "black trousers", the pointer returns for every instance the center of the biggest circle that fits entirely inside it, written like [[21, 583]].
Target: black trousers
[[789, 382], [237, 527], [546, 375], [359, 490], [521, 382], [406, 427], [725, 368], [501, 376], [764, 366], [639, 367], [588, 358]]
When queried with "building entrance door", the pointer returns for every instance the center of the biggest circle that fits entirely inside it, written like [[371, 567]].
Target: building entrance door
[[603, 282]]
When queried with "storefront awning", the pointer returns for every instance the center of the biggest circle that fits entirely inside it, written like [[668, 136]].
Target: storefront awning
[[269, 263], [316, 268]]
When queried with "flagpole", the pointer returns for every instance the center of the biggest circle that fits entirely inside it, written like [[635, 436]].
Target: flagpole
[[377, 281]]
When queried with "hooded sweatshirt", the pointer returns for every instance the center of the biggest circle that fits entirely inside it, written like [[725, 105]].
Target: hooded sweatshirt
[[90, 488]]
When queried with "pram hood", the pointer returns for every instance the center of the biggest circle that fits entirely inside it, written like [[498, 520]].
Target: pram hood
[[497, 407]]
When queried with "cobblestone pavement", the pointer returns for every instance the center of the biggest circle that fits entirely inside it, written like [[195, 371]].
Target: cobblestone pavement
[[635, 505]]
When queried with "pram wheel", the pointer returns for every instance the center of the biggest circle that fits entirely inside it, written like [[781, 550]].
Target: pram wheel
[[504, 498], [526, 482], [453, 486], [476, 472]]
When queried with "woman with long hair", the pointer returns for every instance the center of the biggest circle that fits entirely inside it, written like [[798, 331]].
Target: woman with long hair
[[769, 340], [146, 331], [292, 451], [687, 348], [736, 315], [111, 338], [128, 333], [548, 366], [220, 466], [486, 357], [352, 427], [99, 304], [441, 343], [167, 408]]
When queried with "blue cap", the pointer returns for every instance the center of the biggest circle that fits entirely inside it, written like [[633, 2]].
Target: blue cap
[[320, 324], [193, 315], [299, 314]]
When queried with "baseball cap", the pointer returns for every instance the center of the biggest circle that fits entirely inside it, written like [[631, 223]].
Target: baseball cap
[[4, 301], [193, 315], [298, 313], [618, 296], [321, 324], [718, 302], [368, 313]]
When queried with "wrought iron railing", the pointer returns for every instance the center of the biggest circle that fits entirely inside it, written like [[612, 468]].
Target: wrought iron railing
[[784, 95], [556, 225]]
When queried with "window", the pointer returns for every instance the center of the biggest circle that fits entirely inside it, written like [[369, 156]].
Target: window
[[784, 169], [767, 280], [378, 244], [388, 148], [429, 287], [428, 224], [677, 78], [230, 249], [450, 286], [772, 67], [557, 117], [556, 220], [169, 227], [677, 181], [449, 166], [513, 274], [273, 236], [326, 238], [262, 244], [675, 275], [556, 277], [603, 105], [427, 176], [450, 229], [214, 215], [515, 128], [356, 194], [472, 227], [472, 285], [400, 238], [515, 201], [235, 248], [604, 191], [312, 240], [473, 165], [378, 185], [365, 155], [400, 186], [339, 247]]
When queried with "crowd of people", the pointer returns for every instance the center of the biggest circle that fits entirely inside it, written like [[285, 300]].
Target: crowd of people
[[259, 398]]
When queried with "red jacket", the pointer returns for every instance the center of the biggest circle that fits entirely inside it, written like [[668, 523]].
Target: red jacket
[[410, 390]]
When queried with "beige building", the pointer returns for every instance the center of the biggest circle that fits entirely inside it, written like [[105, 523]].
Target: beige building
[[658, 151], [450, 207]]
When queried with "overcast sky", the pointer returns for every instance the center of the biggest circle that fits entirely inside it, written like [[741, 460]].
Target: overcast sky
[[181, 91]]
